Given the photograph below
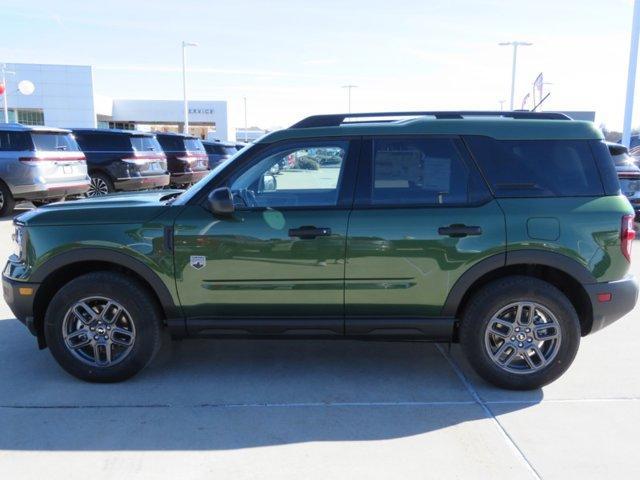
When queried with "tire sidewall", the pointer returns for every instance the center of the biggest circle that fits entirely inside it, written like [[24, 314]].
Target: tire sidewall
[[132, 297], [498, 295]]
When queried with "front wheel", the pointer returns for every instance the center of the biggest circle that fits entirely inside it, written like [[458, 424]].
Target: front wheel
[[520, 333], [103, 327]]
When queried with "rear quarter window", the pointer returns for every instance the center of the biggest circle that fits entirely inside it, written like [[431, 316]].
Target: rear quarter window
[[537, 168], [15, 141], [103, 142], [145, 143]]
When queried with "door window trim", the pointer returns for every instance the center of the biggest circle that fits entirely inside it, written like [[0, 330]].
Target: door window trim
[[362, 197], [346, 187]]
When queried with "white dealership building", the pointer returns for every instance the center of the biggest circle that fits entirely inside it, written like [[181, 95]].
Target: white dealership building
[[64, 97]]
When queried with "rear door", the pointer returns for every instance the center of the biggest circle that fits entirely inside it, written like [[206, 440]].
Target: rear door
[[422, 217]]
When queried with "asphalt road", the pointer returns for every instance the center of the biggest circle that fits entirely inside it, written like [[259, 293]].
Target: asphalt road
[[317, 409]]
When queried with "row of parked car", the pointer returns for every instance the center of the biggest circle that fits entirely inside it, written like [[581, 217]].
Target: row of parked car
[[43, 164]]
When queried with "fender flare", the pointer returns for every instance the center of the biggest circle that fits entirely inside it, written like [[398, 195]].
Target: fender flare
[[517, 257], [106, 255]]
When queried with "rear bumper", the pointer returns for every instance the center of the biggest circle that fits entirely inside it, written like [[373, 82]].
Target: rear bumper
[[142, 183], [188, 177], [624, 294], [19, 296], [40, 191]]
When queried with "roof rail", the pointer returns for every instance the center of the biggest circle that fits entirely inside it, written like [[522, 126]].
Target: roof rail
[[337, 119]]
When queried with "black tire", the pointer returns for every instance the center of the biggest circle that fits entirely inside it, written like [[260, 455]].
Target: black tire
[[493, 298], [98, 179], [7, 202], [138, 305]]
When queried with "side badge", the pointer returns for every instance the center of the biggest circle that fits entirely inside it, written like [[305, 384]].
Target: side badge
[[197, 261]]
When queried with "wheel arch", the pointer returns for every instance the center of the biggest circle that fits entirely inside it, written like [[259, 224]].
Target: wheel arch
[[563, 272], [64, 267]]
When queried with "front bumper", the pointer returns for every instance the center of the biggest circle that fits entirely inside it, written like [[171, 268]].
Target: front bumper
[[624, 294], [43, 191], [20, 296], [188, 177], [142, 183]]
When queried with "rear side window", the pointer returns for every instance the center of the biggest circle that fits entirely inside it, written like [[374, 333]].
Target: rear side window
[[220, 149], [54, 142], [15, 141], [103, 142], [422, 171], [537, 168], [145, 143]]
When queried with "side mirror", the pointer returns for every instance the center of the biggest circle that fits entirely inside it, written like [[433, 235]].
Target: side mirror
[[221, 201], [269, 182]]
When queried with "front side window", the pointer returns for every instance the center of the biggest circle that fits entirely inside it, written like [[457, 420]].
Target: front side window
[[297, 175], [421, 171]]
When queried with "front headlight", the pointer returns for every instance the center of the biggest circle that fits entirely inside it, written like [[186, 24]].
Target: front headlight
[[18, 238]]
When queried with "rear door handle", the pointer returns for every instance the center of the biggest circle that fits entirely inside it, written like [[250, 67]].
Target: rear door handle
[[459, 230], [309, 232]]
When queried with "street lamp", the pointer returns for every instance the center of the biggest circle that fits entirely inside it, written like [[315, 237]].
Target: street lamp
[[515, 46], [184, 83], [631, 75], [349, 87]]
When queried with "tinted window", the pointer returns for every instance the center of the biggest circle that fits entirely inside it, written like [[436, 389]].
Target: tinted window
[[145, 143], [215, 149], [103, 142], [15, 141], [537, 168], [52, 142], [294, 175], [605, 167], [422, 171]]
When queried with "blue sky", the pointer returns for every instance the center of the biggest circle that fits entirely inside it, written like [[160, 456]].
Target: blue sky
[[290, 58]]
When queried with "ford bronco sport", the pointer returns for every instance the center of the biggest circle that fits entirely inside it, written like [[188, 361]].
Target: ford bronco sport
[[503, 231]]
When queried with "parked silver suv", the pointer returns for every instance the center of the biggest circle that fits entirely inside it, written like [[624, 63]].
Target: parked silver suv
[[39, 164]]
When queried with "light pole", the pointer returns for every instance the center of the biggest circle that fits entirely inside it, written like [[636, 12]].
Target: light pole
[[515, 45], [501, 102], [184, 83], [349, 88], [246, 133], [6, 91], [631, 76]]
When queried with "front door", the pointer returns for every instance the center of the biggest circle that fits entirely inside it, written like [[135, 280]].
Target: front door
[[277, 264], [422, 217]]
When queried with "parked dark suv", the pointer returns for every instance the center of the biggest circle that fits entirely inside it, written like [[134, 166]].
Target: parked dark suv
[[186, 158], [218, 152], [122, 160], [508, 235]]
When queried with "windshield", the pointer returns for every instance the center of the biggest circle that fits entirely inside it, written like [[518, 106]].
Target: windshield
[[196, 187], [54, 142], [145, 143]]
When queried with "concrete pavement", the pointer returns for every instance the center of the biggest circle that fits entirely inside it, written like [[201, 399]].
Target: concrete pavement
[[317, 409]]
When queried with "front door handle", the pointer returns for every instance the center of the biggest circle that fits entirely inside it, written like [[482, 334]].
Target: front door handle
[[459, 230], [309, 232]]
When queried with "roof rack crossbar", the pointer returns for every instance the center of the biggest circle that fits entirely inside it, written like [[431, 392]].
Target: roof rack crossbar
[[334, 120]]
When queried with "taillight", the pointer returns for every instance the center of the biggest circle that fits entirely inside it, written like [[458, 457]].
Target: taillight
[[143, 159], [40, 159], [627, 234]]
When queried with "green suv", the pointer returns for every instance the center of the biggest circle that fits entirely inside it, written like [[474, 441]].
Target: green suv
[[503, 231]]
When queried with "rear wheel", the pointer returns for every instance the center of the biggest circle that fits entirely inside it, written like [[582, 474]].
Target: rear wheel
[[520, 333], [100, 185], [7, 202], [103, 327]]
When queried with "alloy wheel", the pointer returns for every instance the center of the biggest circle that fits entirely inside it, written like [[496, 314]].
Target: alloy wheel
[[98, 187], [523, 337], [98, 331], [1, 200]]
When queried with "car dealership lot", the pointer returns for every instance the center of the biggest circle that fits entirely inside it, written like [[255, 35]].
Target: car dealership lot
[[317, 409]]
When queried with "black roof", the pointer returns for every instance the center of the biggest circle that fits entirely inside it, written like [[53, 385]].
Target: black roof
[[115, 131]]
